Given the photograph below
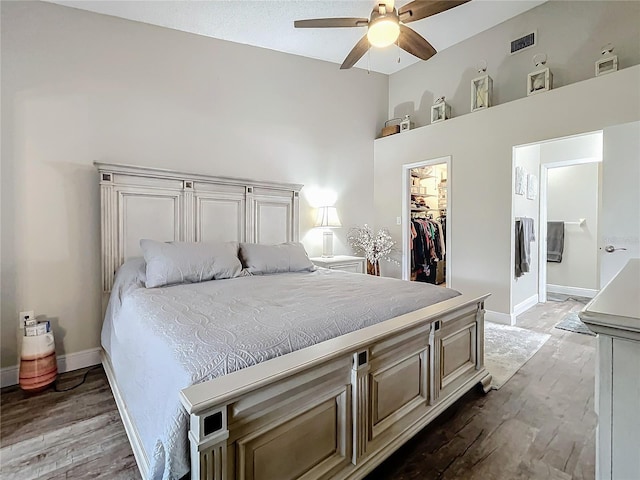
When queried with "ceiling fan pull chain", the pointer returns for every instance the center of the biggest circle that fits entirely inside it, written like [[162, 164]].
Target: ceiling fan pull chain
[[368, 61]]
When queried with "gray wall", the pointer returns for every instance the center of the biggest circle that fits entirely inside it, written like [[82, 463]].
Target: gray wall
[[526, 286], [480, 182], [481, 143], [78, 87], [572, 193], [570, 33]]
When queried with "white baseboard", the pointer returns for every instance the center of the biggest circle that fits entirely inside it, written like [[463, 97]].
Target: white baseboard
[[8, 376], [498, 317], [577, 291], [66, 363], [525, 305]]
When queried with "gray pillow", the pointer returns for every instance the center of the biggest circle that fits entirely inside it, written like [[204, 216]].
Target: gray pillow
[[185, 262], [285, 257]]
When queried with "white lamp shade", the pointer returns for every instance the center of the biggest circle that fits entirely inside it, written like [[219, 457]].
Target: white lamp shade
[[383, 31], [327, 217]]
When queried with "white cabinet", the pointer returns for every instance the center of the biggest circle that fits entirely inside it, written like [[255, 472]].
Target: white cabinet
[[614, 314], [346, 263]]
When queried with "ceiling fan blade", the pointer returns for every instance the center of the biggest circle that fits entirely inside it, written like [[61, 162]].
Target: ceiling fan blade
[[415, 44], [331, 23], [419, 9], [356, 53]]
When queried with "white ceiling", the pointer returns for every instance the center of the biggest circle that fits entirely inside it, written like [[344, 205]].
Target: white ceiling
[[269, 24]]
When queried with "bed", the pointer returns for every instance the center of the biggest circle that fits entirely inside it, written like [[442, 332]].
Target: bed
[[313, 374]]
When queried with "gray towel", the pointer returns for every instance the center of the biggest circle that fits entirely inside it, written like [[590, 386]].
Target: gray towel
[[555, 241], [525, 234]]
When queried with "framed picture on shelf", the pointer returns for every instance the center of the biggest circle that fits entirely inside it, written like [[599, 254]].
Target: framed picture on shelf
[[532, 187], [521, 177]]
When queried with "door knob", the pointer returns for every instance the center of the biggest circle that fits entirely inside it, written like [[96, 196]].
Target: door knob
[[611, 249]]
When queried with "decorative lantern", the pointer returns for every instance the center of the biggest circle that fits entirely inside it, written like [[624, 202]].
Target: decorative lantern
[[405, 124], [440, 111], [542, 79], [608, 63], [481, 90]]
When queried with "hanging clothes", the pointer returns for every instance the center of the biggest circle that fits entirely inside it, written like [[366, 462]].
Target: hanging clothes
[[427, 249]]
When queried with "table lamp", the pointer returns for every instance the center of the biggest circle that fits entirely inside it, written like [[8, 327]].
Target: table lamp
[[327, 219]]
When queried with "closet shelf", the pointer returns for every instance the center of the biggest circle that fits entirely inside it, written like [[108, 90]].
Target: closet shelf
[[416, 175], [417, 192]]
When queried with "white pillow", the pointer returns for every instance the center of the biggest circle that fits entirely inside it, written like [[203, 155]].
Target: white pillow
[[185, 262], [285, 257]]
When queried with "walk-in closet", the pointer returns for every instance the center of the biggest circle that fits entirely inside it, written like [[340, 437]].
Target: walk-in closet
[[428, 225]]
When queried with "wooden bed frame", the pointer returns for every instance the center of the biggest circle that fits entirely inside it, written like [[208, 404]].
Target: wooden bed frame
[[333, 410]]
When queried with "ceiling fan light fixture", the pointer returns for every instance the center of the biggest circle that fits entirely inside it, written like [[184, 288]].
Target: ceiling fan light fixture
[[383, 31]]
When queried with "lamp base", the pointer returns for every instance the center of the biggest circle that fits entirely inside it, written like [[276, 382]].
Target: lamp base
[[327, 244]]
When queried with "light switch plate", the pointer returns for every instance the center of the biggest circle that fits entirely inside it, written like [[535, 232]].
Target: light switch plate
[[28, 315]]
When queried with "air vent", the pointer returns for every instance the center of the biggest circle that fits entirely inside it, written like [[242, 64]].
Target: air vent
[[521, 43]]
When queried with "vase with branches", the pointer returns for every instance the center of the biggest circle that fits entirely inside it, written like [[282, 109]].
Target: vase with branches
[[374, 247]]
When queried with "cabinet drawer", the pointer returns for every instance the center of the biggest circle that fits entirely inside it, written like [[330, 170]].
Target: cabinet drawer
[[355, 267]]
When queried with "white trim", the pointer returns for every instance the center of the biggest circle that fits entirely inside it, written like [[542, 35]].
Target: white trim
[[66, 363], [9, 376], [154, 173], [77, 360], [499, 317], [577, 291], [525, 305], [406, 210], [542, 234]]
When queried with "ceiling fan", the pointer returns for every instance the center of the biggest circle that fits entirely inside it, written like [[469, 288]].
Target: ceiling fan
[[386, 26]]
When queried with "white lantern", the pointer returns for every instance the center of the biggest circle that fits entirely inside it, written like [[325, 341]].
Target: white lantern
[[609, 62], [539, 81], [481, 92], [405, 124], [440, 111], [542, 79]]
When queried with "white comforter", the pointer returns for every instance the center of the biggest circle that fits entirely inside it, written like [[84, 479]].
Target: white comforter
[[162, 340]]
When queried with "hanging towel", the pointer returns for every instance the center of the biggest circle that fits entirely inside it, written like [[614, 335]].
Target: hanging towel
[[555, 241], [524, 235]]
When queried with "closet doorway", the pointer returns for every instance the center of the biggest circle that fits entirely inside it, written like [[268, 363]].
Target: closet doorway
[[426, 232]]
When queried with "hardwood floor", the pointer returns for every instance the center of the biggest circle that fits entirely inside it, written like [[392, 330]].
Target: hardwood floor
[[70, 435], [539, 425]]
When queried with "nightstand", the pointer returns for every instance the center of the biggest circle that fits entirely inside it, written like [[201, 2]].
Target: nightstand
[[346, 263]]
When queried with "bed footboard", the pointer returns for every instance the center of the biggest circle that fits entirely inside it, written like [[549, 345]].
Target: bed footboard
[[339, 408]]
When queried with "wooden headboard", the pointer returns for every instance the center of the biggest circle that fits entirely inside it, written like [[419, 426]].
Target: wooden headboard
[[167, 205]]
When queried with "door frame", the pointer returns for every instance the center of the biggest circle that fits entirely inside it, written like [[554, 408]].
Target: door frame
[[542, 216], [406, 213]]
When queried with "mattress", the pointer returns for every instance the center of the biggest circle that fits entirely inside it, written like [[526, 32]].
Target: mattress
[[162, 340]]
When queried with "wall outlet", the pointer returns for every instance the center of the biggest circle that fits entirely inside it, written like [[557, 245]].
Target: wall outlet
[[28, 315], [398, 220]]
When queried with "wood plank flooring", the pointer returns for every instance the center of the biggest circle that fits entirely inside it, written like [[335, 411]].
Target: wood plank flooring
[[539, 425]]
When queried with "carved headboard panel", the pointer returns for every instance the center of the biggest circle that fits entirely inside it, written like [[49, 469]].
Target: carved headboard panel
[[166, 205]]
